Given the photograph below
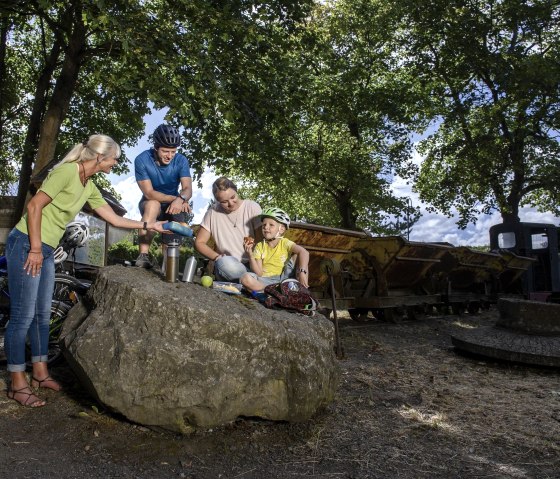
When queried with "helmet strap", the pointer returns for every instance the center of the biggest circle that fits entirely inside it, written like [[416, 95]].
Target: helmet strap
[[278, 236]]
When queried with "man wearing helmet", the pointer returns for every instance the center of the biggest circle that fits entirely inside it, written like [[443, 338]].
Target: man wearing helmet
[[159, 171], [271, 258]]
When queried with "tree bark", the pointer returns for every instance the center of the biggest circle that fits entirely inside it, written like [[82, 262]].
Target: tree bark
[[344, 205], [5, 25], [62, 94], [511, 216], [44, 126], [33, 130]]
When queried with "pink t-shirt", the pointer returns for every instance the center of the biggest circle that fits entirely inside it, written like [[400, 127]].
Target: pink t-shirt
[[229, 229]]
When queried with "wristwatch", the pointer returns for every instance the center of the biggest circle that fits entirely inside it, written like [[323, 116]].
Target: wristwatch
[[301, 270], [183, 197]]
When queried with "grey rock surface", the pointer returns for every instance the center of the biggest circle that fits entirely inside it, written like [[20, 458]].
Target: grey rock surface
[[509, 345], [179, 356]]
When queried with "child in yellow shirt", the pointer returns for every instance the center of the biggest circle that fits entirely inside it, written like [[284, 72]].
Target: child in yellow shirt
[[270, 260]]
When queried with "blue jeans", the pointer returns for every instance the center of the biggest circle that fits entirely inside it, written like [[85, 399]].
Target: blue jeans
[[228, 268], [287, 272], [30, 303]]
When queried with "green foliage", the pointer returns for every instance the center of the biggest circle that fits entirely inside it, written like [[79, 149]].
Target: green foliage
[[493, 69], [309, 105], [481, 248], [127, 251], [305, 112], [115, 73], [122, 251]]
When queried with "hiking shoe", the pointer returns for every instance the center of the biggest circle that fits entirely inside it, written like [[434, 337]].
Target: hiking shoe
[[143, 261]]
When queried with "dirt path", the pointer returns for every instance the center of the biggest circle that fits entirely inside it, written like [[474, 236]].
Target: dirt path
[[408, 406]]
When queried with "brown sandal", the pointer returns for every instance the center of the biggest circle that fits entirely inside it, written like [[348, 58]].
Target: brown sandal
[[11, 393], [36, 383]]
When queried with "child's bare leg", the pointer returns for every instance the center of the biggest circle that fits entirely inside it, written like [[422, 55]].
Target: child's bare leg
[[251, 283]]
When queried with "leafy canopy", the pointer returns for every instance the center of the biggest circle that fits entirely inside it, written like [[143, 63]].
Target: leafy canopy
[[493, 68]]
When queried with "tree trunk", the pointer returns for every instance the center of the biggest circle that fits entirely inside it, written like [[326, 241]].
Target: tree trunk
[[62, 94], [510, 214], [346, 210], [5, 25], [32, 136], [510, 211], [43, 134], [510, 217]]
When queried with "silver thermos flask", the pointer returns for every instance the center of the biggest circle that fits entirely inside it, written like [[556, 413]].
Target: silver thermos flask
[[172, 263], [190, 269]]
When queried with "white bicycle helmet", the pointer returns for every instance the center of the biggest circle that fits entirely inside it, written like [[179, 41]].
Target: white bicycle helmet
[[60, 255], [76, 235], [276, 214]]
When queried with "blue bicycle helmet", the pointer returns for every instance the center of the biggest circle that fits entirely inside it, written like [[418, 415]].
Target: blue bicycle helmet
[[166, 136]]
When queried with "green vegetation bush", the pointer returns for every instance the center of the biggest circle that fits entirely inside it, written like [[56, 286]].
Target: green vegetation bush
[[125, 250]]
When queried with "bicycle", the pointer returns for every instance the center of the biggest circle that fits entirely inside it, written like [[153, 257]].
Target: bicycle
[[68, 291]]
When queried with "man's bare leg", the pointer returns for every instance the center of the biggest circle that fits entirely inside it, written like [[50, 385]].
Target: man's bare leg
[[151, 212]]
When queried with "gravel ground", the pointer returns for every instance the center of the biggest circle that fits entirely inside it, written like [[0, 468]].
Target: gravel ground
[[408, 406]]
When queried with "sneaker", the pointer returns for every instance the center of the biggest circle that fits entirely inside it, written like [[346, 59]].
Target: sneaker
[[143, 261], [259, 295]]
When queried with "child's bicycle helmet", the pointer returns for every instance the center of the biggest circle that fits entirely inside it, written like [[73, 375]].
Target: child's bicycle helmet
[[76, 235], [276, 214], [166, 136]]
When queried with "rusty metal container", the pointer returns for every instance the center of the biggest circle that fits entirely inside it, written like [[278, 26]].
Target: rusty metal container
[[471, 279], [371, 273], [513, 268], [323, 243]]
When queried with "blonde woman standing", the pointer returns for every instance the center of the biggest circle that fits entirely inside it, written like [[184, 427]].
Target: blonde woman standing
[[29, 252]]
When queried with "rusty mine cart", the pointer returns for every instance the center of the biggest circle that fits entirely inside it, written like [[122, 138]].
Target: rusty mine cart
[[390, 276]]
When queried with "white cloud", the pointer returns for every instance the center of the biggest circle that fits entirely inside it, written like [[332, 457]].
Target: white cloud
[[130, 194], [433, 227], [202, 197], [473, 235]]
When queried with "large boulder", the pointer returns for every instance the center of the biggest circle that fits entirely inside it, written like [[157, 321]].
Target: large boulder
[[180, 356]]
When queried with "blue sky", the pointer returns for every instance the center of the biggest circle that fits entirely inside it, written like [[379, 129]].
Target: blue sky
[[430, 228]]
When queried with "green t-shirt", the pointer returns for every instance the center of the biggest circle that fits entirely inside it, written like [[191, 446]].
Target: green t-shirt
[[68, 196]]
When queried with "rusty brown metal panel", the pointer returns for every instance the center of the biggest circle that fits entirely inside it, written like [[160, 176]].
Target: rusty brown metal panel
[[474, 267], [403, 263], [372, 266], [413, 262], [514, 267], [323, 243]]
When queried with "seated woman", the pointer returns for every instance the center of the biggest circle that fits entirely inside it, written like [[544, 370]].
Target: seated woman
[[271, 260], [228, 222]]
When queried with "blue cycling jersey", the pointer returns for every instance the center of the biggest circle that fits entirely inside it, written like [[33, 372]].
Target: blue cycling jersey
[[165, 179]]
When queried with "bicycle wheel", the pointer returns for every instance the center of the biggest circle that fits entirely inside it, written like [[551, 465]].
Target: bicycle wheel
[[66, 289]]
